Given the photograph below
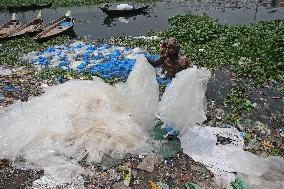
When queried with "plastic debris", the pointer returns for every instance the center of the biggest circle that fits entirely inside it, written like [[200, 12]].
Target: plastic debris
[[127, 175], [267, 144], [9, 88], [154, 185], [225, 126], [163, 185], [281, 132], [120, 185], [171, 133], [238, 184], [262, 127], [5, 71], [2, 97], [191, 185], [148, 163], [243, 134]]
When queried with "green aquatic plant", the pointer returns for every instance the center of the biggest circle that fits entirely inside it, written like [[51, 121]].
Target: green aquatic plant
[[12, 50], [252, 51], [237, 102]]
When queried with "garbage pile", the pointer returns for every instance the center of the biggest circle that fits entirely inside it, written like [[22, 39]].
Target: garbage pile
[[87, 119], [105, 60]]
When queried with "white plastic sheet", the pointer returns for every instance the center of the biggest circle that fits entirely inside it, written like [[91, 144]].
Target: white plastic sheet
[[224, 160], [184, 103]]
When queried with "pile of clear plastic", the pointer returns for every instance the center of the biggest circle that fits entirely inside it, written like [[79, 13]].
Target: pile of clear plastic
[[81, 119], [108, 61]]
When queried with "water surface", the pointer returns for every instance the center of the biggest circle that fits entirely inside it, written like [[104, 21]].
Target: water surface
[[91, 21]]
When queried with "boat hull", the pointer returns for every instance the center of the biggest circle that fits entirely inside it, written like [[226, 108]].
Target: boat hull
[[30, 28], [54, 30]]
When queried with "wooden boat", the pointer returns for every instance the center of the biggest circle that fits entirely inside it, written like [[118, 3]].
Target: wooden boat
[[115, 12], [32, 6], [12, 24], [57, 27], [33, 26]]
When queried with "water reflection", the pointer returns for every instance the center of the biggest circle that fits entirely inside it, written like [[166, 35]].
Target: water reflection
[[110, 21], [90, 20]]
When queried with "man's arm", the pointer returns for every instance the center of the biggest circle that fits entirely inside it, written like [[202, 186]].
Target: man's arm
[[184, 62], [156, 63]]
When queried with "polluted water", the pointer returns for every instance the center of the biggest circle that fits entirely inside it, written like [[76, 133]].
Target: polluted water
[[87, 119]]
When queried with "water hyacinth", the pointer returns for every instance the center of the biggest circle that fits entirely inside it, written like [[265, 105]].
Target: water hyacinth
[[107, 61]]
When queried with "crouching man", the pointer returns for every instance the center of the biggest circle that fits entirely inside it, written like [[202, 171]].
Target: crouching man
[[170, 59]]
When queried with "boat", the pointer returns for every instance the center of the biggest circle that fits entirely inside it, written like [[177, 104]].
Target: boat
[[116, 12], [31, 27], [57, 27], [32, 6], [12, 24]]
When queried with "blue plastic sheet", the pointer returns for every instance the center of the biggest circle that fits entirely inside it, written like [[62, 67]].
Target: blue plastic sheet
[[93, 59], [9, 88], [64, 63], [41, 60], [114, 68], [163, 80], [172, 133]]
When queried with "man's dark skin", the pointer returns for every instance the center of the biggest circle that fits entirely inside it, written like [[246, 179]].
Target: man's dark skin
[[170, 60]]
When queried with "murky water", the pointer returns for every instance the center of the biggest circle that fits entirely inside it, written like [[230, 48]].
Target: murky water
[[95, 23]]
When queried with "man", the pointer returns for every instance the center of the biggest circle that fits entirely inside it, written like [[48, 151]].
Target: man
[[170, 60]]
